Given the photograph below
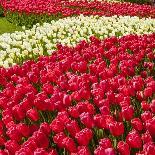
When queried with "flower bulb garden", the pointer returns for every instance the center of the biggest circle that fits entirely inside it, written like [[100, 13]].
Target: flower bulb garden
[[79, 79]]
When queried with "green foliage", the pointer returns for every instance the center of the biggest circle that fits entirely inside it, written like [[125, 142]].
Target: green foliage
[[6, 27], [29, 20], [139, 1], [1, 11]]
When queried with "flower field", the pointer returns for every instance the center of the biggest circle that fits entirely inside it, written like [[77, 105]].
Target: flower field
[[79, 79]]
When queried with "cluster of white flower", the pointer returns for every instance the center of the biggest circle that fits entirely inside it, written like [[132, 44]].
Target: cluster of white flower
[[42, 39]]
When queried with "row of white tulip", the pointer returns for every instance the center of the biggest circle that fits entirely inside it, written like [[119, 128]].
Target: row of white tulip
[[42, 39]]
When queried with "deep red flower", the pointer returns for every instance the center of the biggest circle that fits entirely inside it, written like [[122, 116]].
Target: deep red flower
[[149, 148], [41, 139], [73, 127], [40, 151], [57, 126], [73, 111], [148, 92], [123, 148], [137, 124], [150, 126], [128, 112], [32, 114], [84, 136], [69, 144], [87, 120], [45, 128], [116, 128], [152, 106], [23, 129], [102, 151], [146, 137], [105, 143], [83, 150], [145, 106], [58, 139], [67, 100], [134, 140], [12, 146]]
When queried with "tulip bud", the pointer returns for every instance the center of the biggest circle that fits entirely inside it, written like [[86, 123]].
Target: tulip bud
[[123, 148], [84, 136], [150, 126], [83, 150], [57, 126], [105, 143], [41, 139], [32, 114], [45, 128], [87, 120], [146, 116], [73, 128], [152, 106], [73, 112], [137, 124], [149, 148], [145, 106], [148, 92], [69, 144], [146, 137], [134, 140], [40, 151], [127, 112], [116, 128], [23, 129], [58, 139], [12, 146], [67, 100]]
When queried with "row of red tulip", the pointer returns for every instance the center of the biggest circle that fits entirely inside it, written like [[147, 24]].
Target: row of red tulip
[[97, 97], [67, 8]]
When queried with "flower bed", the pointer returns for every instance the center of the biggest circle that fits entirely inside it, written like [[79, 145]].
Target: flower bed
[[31, 12], [41, 40], [96, 97]]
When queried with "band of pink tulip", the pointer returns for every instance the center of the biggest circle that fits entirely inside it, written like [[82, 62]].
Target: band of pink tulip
[[95, 98]]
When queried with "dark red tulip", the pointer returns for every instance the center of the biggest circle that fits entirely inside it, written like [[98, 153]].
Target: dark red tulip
[[123, 148], [134, 140]]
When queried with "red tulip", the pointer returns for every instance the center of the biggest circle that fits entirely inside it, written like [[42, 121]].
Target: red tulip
[[128, 112], [12, 146], [67, 100], [152, 106], [145, 106], [33, 115], [84, 136], [150, 126], [87, 120], [137, 124], [23, 129], [40, 151], [149, 148], [134, 140], [41, 139], [123, 148], [146, 137], [116, 128], [58, 139], [83, 150], [148, 92], [69, 144], [105, 143], [73, 128], [57, 126]]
